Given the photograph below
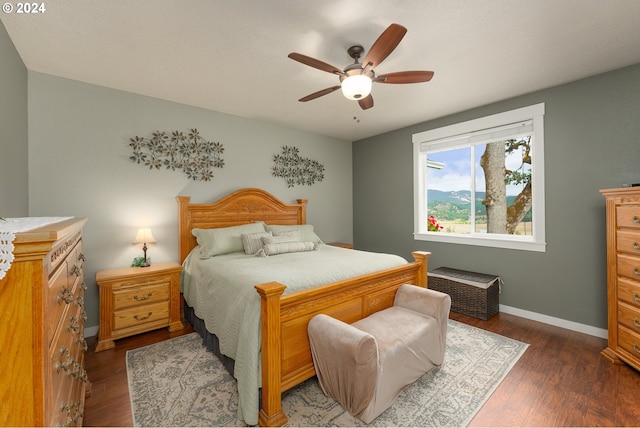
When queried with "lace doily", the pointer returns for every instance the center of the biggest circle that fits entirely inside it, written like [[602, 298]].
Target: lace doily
[[8, 230]]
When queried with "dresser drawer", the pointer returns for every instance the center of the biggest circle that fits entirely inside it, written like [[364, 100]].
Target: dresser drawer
[[153, 292], [629, 266], [629, 316], [629, 341], [629, 291], [628, 242], [139, 316], [68, 375], [628, 216], [60, 295]]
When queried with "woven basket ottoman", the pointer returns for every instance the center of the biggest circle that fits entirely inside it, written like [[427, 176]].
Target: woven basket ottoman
[[474, 294]]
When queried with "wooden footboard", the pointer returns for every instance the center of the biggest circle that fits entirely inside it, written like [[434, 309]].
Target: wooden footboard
[[286, 354]]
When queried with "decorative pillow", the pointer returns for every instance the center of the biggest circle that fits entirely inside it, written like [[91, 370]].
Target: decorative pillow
[[284, 236], [306, 231], [252, 242], [286, 247], [224, 240]]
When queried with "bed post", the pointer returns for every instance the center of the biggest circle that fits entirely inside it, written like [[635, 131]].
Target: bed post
[[302, 214], [183, 227], [422, 258], [271, 413]]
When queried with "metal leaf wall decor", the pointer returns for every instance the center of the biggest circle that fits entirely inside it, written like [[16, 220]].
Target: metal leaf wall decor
[[189, 152], [295, 169]]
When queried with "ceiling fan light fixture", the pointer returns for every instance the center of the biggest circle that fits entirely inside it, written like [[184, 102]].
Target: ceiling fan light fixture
[[356, 87]]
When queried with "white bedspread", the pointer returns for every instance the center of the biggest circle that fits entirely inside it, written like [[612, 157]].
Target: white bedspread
[[221, 291]]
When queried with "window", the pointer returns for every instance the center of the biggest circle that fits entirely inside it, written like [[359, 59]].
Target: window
[[481, 182]]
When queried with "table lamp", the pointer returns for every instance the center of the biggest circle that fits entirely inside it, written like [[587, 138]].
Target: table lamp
[[145, 237]]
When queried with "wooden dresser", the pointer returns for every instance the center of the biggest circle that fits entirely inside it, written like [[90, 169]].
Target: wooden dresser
[[42, 318], [623, 275]]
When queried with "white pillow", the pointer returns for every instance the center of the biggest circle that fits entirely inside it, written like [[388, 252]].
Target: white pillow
[[286, 247], [252, 242], [224, 240], [306, 231]]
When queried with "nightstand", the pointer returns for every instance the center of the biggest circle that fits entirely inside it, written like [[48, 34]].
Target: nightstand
[[138, 299], [341, 244]]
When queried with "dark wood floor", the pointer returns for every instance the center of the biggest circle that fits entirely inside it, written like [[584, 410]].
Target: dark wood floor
[[561, 380]]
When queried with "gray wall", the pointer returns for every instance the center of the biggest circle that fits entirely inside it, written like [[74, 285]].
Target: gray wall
[[79, 166], [14, 179], [592, 142]]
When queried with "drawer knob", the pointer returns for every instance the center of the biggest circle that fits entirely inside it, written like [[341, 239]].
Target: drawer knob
[[636, 271], [636, 246], [636, 297], [139, 318], [636, 348], [636, 323], [143, 298], [64, 352], [81, 257], [64, 294], [83, 343], [73, 324], [636, 219], [75, 270]]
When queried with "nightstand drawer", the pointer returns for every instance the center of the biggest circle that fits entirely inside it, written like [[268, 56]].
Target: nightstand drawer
[[136, 296], [140, 315]]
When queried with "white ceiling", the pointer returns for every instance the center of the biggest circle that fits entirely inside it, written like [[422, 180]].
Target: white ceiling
[[231, 56]]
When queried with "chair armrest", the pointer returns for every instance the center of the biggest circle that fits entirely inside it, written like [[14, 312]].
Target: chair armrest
[[346, 361], [343, 339], [425, 301]]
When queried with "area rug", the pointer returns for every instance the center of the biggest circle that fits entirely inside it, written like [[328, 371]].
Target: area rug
[[179, 383]]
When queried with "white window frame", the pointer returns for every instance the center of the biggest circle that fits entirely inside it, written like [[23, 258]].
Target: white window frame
[[453, 135]]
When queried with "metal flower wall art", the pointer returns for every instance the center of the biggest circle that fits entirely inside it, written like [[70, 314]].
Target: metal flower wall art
[[295, 169], [189, 152]]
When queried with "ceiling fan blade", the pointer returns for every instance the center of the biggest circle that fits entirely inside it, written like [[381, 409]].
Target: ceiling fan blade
[[319, 94], [315, 63], [385, 44], [366, 102], [405, 77]]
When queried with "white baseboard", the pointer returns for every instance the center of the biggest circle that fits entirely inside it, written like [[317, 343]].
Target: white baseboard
[[546, 319], [558, 322], [90, 331]]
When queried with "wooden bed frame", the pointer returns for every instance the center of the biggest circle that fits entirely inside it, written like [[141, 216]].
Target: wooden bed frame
[[286, 354]]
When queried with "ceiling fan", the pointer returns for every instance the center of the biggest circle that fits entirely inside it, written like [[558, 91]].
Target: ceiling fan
[[356, 79]]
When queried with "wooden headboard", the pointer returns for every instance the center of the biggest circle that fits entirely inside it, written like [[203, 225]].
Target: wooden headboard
[[240, 207]]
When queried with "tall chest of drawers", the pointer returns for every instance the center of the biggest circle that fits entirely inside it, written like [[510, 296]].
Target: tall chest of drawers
[[623, 275], [42, 319]]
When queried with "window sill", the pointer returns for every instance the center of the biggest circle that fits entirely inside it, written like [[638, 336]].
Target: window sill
[[483, 241]]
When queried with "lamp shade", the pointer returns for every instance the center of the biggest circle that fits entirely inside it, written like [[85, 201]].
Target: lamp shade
[[144, 236], [356, 87]]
